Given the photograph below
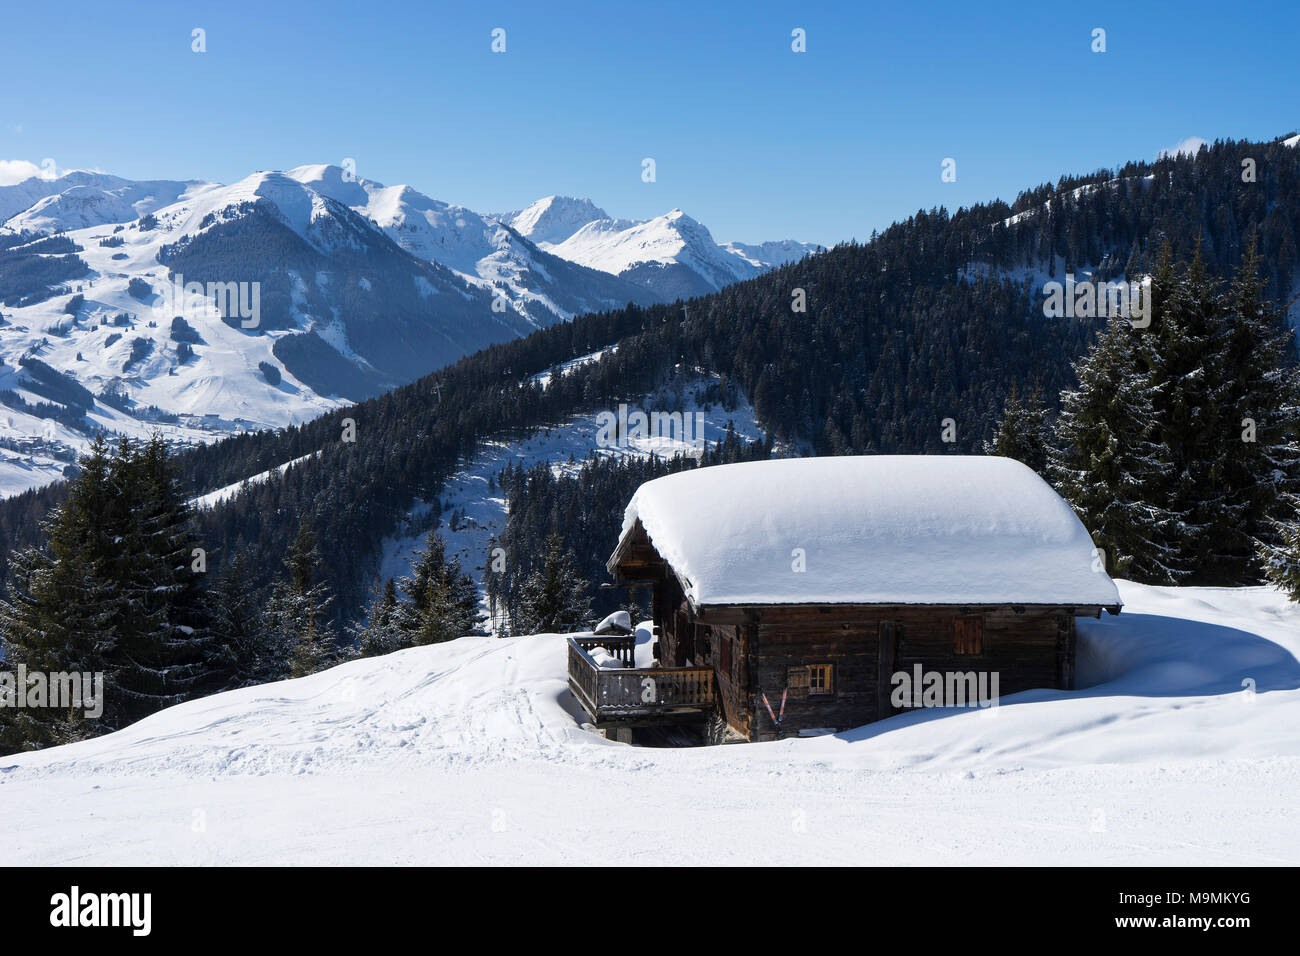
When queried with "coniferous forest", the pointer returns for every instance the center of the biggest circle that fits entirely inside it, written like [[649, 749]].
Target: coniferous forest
[[1176, 443]]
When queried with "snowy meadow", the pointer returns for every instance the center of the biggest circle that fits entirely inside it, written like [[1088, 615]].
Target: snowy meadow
[[1182, 749]]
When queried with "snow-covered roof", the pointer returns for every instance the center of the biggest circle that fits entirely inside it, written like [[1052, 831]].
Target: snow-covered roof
[[875, 529]]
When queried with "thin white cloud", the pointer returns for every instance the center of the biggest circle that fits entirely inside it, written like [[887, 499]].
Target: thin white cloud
[[16, 170], [1188, 147]]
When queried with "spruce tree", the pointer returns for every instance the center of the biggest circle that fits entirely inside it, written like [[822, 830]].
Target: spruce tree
[[1228, 411], [240, 652], [55, 616], [299, 636], [442, 601], [112, 593], [1193, 409], [554, 597], [1181, 443], [1280, 554], [157, 605], [1023, 433], [1107, 458], [1262, 467], [382, 633]]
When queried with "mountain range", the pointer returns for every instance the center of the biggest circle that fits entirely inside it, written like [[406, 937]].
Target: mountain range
[[360, 288], [910, 342]]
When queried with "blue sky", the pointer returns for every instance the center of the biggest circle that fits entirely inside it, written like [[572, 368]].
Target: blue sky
[[752, 139]]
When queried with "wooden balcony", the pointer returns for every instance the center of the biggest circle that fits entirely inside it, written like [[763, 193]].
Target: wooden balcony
[[628, 695]]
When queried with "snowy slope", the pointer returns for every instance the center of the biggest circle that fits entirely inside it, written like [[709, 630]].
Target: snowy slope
[[219, 391], [225, 493], [565, 368], [75, 208], [673, 237], [472, 752], [422, 317]]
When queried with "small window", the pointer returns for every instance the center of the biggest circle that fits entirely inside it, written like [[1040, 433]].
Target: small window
[[968, 634], [807, 680], [797, 681], [820, 679]]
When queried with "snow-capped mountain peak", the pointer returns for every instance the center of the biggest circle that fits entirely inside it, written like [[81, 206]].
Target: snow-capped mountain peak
[[75, 208], [672, 254], [770, 255], [81, 198], [551, 220], [481, 250], [333, 181]]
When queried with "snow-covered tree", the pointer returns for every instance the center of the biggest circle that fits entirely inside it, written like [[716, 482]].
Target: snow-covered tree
[[157, 606], [1193, 412], [1228, 414], [1181, 441], [1107, 458], [1280, 554]]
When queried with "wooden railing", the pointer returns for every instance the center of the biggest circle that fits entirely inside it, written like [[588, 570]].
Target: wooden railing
[[611, 693], [584, 676], [622, 646]]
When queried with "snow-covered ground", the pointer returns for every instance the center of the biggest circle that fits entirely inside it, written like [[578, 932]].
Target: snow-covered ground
[[1185, 750]]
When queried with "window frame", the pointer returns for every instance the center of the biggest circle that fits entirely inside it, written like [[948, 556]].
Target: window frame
[[828, 690], [959, 641]]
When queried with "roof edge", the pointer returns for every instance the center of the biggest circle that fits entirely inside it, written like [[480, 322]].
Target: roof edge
[[719, 605]]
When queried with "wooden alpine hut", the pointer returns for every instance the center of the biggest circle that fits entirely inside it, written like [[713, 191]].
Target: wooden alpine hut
[[812, 595]]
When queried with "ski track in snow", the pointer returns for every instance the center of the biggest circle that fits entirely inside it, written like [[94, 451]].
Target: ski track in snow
[[472, 752]]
